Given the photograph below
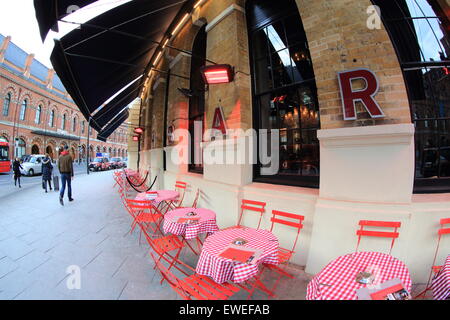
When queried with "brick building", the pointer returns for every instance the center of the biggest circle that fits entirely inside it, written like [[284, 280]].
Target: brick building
[[359, 98], [37, 112]]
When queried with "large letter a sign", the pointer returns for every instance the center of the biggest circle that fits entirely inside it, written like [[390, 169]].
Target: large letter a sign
[[365, 96]]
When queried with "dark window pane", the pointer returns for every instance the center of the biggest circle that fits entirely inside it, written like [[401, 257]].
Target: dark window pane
[[260, 45], [263, 68]]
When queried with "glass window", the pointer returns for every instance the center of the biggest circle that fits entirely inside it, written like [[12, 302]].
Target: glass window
[[285, 94], [420, 32], [37, 120], [51, 121], [6, 104], [63, 122], [74, 125], [82, 126], [197, 101], [23, 110]]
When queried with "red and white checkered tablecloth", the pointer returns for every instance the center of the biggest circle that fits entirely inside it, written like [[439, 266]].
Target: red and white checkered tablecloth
[[163, 195], [337, 280], [222, 269], [206, 224], [441, 282]]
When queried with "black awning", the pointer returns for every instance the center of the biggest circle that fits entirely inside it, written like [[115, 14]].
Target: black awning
[[113, 125], [55, 135], [103, 116], [48, 12], [108, 52]]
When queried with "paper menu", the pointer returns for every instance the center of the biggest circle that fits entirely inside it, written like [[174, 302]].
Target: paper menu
[[389, 290], [241, 254]]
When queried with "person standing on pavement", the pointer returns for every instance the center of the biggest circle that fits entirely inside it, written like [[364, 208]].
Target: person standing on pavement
[[16, 169], [47, 169], [65, 166]]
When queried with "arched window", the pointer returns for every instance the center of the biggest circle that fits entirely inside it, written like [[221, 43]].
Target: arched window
[[51, 121], [20, 148], [23, 110], [63, 122], [37, 119], [284, 93], [419, 30], [6, 104], [197, 101], [74, 124], [82, 126]]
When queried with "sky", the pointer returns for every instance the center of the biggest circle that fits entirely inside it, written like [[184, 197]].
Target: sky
[[18, 20]]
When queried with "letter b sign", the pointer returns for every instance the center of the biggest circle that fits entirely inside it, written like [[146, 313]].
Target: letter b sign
[[365, 96]]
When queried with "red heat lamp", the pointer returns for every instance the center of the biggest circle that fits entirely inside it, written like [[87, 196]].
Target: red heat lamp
[[139, 130], [135, 138], [217, 74]]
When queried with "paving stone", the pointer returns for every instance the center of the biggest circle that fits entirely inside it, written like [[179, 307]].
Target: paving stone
[[15, 248], [6, 266]]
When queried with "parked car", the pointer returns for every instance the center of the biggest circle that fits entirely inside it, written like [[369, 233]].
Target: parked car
[[125, 162], [33, 165], [25, 158], [100, 164], [117, 163]]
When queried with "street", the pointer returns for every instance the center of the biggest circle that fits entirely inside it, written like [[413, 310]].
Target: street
[[7, 181]]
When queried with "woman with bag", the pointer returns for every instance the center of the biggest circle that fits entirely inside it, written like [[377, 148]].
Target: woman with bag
[[47, 169]]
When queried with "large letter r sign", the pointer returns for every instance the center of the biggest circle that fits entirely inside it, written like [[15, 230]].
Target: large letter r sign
[[365, 96]]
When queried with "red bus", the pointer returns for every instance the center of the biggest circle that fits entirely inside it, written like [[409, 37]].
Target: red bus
[[5, 164]]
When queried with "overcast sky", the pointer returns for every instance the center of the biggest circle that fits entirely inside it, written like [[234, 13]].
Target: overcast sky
[[18, 20]]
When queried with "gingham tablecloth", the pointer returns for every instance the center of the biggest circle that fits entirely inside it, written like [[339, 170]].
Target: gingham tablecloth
[[221, 269], [206, 224], [441, 282], [163, 195], [337, 280]]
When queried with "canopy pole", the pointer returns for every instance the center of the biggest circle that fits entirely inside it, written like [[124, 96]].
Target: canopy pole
[[88, 146]]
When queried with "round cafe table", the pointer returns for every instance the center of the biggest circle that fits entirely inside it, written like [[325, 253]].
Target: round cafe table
[[173, 222], [337, 280], [162, 196], [222, 269]]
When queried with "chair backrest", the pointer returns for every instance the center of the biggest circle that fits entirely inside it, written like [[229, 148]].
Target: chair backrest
[[197, 194], [442, 231], [379, 234], [296, 221], [180, 186], [253, 206]]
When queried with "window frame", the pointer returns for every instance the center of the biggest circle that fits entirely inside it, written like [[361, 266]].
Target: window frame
[[421, 185], [6, 104], [284, 179]]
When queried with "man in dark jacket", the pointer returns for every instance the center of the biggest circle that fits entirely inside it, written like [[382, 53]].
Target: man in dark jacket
[[47, 169], [65, 166]]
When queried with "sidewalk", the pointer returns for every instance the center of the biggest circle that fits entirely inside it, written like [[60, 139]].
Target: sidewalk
[[40, 239]]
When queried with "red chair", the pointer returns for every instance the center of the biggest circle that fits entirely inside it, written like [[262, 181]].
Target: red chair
[[145, 214], [252, 206], [379, 234], [195, 286], [180, 186], [284, 255], [434, 268]]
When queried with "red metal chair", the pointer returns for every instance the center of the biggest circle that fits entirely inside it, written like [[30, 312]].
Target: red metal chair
[[434, 268], [145, 214], [180, 186], [252, 206], [284, 255], [195, 286], [379, 234]]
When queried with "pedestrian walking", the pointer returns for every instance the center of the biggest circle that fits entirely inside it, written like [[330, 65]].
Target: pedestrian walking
[[16, 169], [65, 166], [47, 169]]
